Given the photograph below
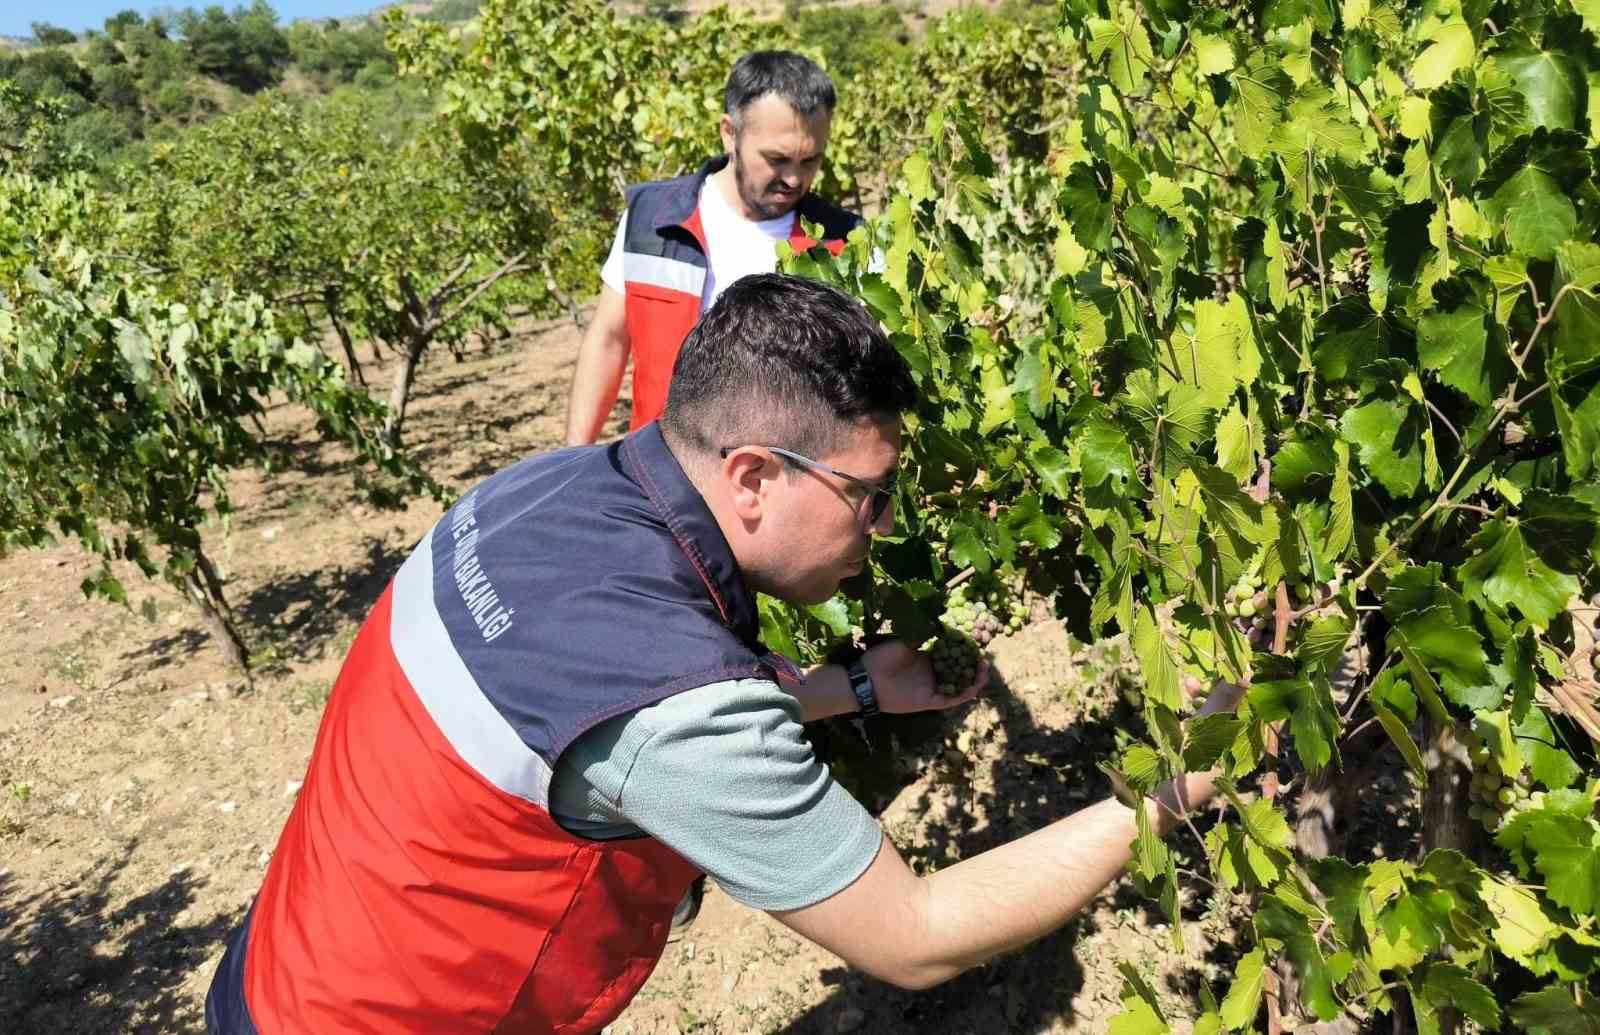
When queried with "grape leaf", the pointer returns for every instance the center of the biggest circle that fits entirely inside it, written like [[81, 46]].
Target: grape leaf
[[1275, 919], [883, 300], [1567, 851], [1553, 1011], [1137, 1018], [1324, 641], [1087, 207], [1453, 344], [1141, 767], [1551, 82], [1387, 435], [1105, 453], [1402, 739], [1052, 466], [967, 549], [1577, 324], [1495, 729], [1234, 452], [1342, 887], [1549, 764], [1206, 738], [1319, 123], [1027, 520], [1128, 46], [1243, 1001], [1451, 50], [1241, 862], [1507, 572], [1156, 663], [1266, 825], [1260, 88], [1538, 215], [1513, 836], [1445, 984], [1301, 466], [1341, 517], [1405, 932], [1590, 11], [1214, 54], [1141, 1010]]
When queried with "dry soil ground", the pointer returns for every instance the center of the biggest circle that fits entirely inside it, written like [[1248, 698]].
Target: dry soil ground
[[142, 789]]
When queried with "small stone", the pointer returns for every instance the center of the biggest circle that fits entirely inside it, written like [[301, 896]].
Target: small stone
[[850, 1018], [269, 534], [200, 695], [730, 979], [63, 701], [228, 807], [182, 867], [292, 787], [263, 859], [70, 799]]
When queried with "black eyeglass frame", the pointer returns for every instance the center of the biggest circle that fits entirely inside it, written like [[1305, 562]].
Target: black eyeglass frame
[[881, 496]]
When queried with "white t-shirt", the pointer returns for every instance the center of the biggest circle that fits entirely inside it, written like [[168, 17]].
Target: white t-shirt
[[738, 246]]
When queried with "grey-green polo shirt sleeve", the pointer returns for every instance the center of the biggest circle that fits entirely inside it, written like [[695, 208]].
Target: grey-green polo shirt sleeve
[[724, 776]]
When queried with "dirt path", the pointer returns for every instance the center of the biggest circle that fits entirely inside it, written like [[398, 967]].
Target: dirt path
[[141, 791]]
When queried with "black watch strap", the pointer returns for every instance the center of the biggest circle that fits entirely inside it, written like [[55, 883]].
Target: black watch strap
[[861, 686]]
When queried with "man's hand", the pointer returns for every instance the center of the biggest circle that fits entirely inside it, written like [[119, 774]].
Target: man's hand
[[903, 678]]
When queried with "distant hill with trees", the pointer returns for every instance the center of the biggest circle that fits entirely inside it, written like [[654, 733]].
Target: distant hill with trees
[[142, 78]]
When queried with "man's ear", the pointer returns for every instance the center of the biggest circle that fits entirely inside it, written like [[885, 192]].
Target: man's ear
[[748, 477], [730, 135]]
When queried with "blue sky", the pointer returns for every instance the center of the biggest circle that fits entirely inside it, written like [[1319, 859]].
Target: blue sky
[[17, 16]]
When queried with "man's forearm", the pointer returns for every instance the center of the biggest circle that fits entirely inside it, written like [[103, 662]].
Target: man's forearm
[[602, 360], [595, 383], [1027, 888]]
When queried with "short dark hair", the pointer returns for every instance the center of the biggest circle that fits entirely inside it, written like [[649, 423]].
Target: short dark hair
[[799, 81], [783, 361]]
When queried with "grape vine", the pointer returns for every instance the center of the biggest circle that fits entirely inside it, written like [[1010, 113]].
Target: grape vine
[[1308, 399]]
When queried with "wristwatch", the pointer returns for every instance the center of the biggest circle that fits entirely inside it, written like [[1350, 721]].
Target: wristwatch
[[861, 686]]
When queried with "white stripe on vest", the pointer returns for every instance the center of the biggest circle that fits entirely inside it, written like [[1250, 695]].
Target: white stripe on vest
[[468, 720], [662, 272]]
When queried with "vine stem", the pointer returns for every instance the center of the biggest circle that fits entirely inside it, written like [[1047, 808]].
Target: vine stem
[[961, 576], [1443, 420], [1548, 315], [1440, 501]]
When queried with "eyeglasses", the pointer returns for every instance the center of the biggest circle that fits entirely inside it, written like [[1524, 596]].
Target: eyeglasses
[[877, 496]]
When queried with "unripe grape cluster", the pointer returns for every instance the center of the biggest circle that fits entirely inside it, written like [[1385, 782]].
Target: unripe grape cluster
[[1247, 601], [1496, 797], [976, 612]]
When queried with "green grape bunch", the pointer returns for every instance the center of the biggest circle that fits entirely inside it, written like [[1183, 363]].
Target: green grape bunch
[[976, 613], [1496, 796], [1247, 602]]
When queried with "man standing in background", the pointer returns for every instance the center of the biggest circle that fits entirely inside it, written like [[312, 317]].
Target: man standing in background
[[681, 242]]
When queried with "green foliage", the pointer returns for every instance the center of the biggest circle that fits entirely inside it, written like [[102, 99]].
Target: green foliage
[[117, 25], [851, 39], [245, 49], [47, 35], [1313, 307], [141, 402], [336, 53], [574, 93]]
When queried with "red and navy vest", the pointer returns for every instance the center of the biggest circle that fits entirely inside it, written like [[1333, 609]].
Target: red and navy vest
[[664, 269], [421, 884]]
